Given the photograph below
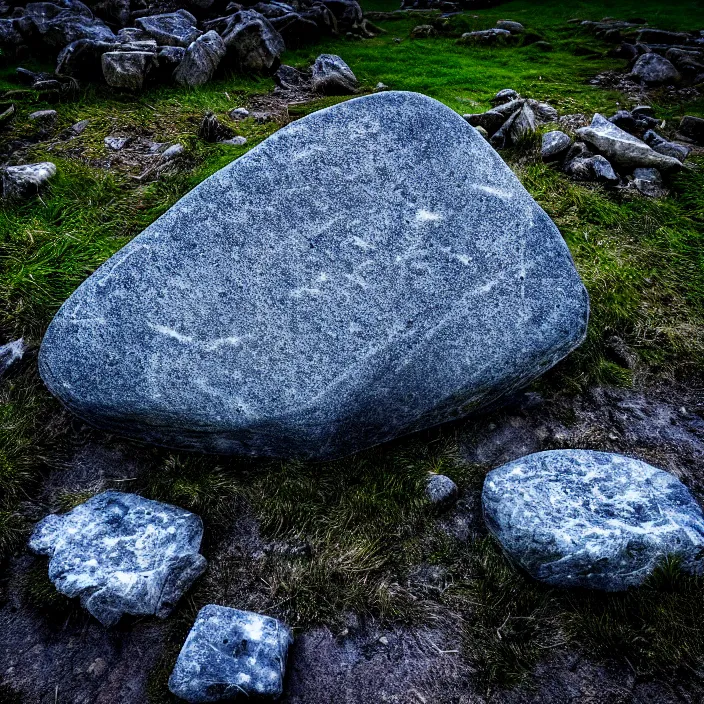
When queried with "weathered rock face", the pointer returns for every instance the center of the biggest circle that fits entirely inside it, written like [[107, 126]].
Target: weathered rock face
[[171, 28], [555, 145], [624, 149], [655, 70], [11, 353], [230, 653], [578, 518], [122, 554], [25, 180], [127, 69], [332, 76], [201, 60], [367, 271], [253, 45], [662, 146]]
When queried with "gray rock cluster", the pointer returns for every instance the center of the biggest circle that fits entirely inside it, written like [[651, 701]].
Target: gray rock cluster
[[579, 518], [608, 151], [130, 48], [655, 57], [229, 653], [512, 118], [382, 309], [122, 554]]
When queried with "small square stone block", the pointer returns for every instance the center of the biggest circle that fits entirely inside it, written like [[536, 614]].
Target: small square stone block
[[230, 652]]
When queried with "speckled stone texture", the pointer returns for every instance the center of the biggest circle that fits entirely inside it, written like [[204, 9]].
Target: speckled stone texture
[[230, 652], [370, 270], [122, 554], [578, 518]]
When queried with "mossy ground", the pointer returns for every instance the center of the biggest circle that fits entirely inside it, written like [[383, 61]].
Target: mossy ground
[[364, 520]]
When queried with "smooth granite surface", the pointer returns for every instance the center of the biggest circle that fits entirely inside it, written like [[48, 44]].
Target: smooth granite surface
[[579, 518], [370, 270], [122, 554]]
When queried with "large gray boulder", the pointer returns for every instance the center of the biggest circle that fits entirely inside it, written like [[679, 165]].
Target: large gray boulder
[[201, 60], [579, 518], [229, 653], [171, 28], [623, 149], [367, 271], [122, 554]]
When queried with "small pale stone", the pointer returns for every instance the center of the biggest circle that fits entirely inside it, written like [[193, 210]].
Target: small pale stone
[[229, 653], [172, 152], [440, 489], [10, 354], [237, 141], [43, 116]]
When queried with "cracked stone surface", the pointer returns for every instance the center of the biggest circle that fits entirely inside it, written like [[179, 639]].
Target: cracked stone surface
[[122, 554], [580, 518], [230, 652], [411, 281]]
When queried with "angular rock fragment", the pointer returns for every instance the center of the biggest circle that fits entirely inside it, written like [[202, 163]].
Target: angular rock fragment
[[10, 354], [415, 282], [201, 60], [44, 117], [26, 180], [332, 76], [622, 149], [127, 69], [423, 31], [555, 145], [485, 36], [591, 168], [122, 554], [662, 146], [579, 518], [505, 96], [295, 30], [511, 26], [82, 59], [252, 43], [649, 183], [171, 28], [655, 70], [229, 653]]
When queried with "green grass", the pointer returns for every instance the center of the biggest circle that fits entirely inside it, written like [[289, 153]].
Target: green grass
[[349, 532]]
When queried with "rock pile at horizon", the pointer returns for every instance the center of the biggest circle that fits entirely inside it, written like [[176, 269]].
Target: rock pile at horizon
[[367, 271]]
